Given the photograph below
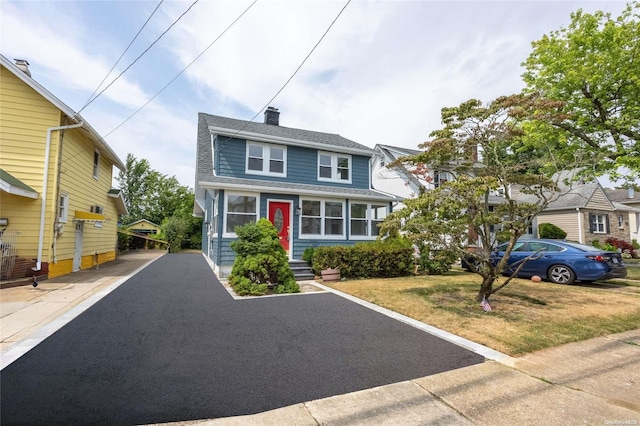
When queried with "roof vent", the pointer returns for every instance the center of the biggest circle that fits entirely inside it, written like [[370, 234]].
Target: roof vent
[[23, 65], [631, 193], [272, 116]]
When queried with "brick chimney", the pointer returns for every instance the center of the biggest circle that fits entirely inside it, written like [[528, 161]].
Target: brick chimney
[[23, 65], [272, 116]]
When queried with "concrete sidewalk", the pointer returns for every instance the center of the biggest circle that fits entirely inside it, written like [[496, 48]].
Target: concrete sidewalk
[[592, 382]]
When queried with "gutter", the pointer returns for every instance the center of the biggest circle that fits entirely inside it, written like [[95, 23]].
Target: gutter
[[44, 188]]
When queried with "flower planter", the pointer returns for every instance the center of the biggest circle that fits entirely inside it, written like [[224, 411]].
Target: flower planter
[[330, 275]]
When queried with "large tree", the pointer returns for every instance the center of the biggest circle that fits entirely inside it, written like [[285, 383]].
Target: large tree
[[160, 199], [593, 67], [495, 192]]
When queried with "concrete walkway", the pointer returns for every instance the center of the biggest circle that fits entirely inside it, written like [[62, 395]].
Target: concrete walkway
[[592, 382]]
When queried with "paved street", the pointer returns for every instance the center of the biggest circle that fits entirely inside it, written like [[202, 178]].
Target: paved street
[[171, 344]]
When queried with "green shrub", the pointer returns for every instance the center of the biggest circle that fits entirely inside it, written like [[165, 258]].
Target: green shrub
[[261, 263], [374, 259], [549, 230], [436, 262], [307, 255]]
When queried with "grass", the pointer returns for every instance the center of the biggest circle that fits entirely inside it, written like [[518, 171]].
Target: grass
[[526, 316]]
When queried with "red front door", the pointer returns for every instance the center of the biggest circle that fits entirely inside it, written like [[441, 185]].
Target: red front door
[[280, 216]]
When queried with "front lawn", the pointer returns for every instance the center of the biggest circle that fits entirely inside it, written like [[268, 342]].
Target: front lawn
[[526, 316]]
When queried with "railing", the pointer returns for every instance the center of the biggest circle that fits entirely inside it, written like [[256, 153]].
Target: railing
[[8, 250]]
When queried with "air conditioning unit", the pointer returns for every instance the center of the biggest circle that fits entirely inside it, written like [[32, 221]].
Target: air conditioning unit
[[97, 209]]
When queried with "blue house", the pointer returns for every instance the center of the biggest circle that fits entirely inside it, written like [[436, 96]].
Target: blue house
[[314, 187]]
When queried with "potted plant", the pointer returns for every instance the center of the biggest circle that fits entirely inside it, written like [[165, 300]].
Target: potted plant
[[330, 274]]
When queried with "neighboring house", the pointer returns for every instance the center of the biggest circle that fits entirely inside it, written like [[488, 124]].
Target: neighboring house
[[586, 213], [145, 233], [57, 209], [314, 187], [400, 179], [396, 180], [630, 199], [143, 226]]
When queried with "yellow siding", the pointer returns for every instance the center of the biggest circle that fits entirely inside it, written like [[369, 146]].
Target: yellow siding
[[25, 117], [85, 191], [566, 220], [24, 120], [61, 268], [599, 201]]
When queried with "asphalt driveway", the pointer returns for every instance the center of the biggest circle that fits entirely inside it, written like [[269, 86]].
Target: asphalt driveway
[[171, 344]]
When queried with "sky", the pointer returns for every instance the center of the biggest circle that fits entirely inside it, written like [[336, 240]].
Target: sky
[[380, 75]]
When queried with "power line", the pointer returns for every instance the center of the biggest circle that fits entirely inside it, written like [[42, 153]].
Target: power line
[[121, 56], [183, 70], [295, 72], [142, 54]]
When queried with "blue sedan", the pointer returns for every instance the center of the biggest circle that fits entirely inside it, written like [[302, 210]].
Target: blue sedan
[[562, 262]]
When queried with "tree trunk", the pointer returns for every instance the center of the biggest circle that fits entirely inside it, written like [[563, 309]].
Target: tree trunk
[[486, 287]]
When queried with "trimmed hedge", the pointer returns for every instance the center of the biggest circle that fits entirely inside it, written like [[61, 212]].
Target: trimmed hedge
[[549, 230], [376, 259]]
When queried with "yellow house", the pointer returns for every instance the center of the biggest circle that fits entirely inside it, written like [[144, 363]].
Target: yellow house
[[58, 212]]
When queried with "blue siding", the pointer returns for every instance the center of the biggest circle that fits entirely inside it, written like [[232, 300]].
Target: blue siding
[[302, 165]]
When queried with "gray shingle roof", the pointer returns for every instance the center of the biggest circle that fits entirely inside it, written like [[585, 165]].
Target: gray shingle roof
[[329, 139], [622, 196]]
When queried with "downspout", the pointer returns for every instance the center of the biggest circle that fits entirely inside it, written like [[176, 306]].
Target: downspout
[[579, 226], [44, 187]]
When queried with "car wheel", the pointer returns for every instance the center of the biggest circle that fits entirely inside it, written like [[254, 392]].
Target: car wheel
[[561, 274]]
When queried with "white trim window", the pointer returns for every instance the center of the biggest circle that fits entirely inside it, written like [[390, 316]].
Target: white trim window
[[440, 178], [239, 209], [322, 219], [214, 138], [334, 167], [365, 218], [96, 164], [214, 219], [599, 223], [63, 207], [263, 159]]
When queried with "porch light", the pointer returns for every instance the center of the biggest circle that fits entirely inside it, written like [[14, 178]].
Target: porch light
[[298, 210]]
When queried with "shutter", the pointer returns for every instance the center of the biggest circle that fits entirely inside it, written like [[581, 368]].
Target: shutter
[[592, 223], [606, 223]]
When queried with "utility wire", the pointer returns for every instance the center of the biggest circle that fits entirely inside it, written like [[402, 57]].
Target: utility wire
[[184, 69], [123, 53], [295, 72], [142, 54]]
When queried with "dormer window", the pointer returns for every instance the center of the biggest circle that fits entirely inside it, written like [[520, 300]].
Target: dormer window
[[440, 178], [334, 167], [264, 159]]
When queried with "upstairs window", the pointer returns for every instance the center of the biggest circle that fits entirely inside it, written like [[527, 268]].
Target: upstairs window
[[440, 178], [263, 159], [63, 208], [96, 164], [334, 167]]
